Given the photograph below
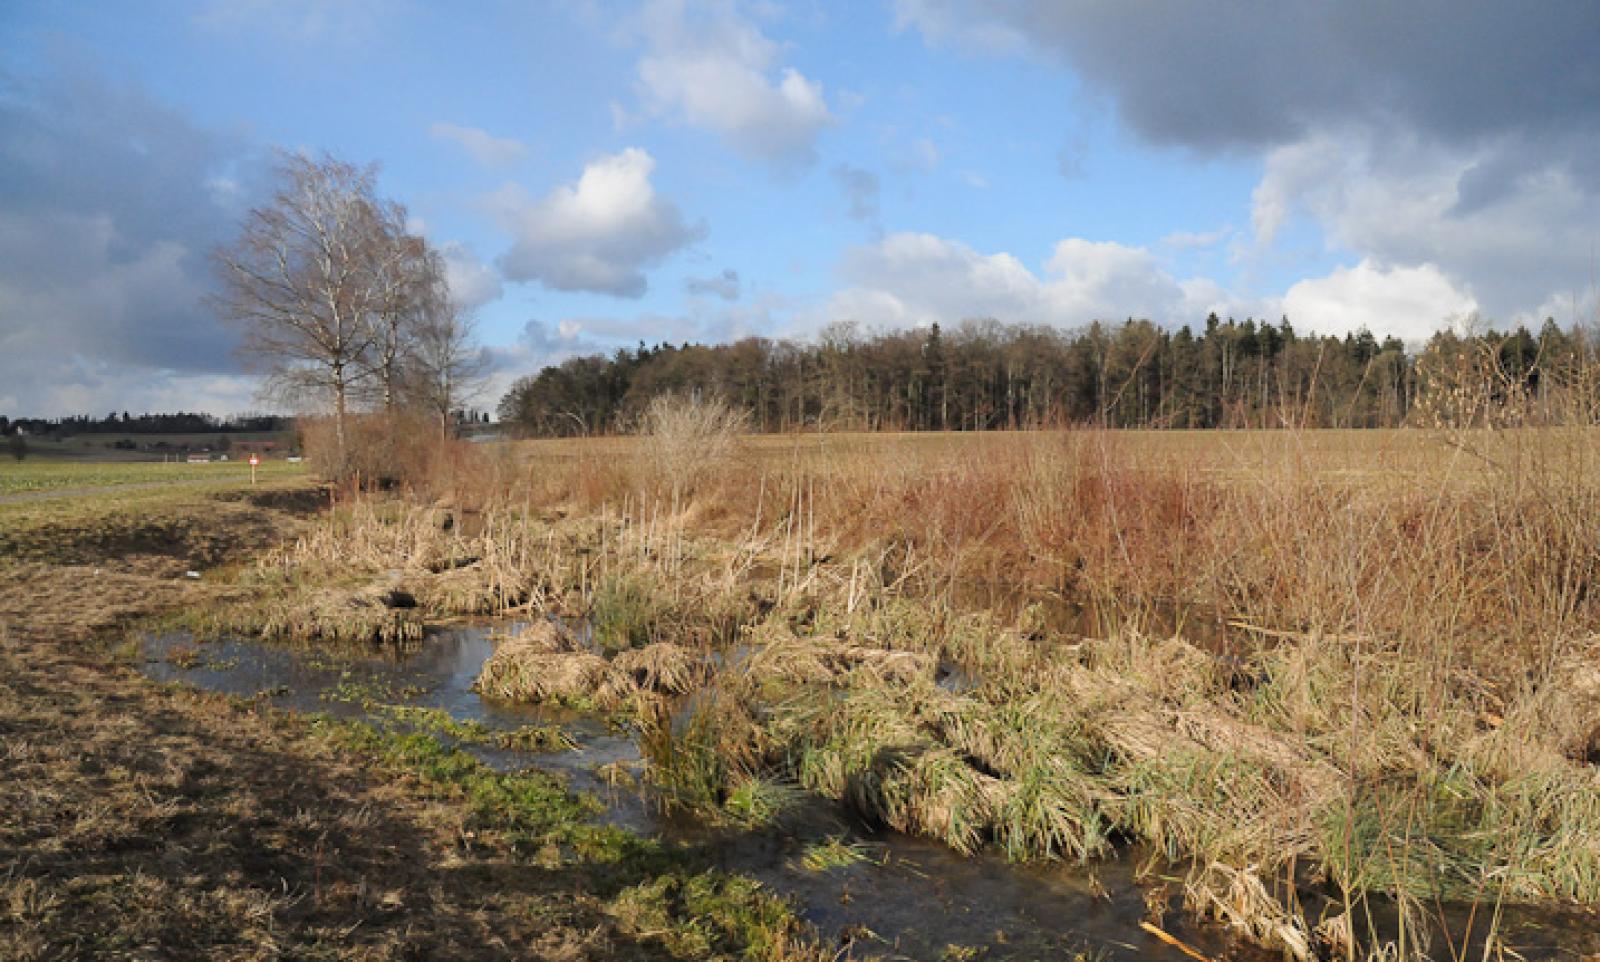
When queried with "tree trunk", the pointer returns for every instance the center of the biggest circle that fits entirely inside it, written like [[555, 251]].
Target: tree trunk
[[339, 408]]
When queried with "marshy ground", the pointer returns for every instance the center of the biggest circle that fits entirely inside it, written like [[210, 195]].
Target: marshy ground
[[140, 820], [1320, 694]]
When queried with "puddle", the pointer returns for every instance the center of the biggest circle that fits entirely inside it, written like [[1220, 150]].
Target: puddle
[[909, 899], [438, 674]]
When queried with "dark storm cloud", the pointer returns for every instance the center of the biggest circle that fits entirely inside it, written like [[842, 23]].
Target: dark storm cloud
[[110, 205], [1259, 74]]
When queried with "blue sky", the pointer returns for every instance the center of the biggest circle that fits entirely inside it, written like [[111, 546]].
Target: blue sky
[[601, 173]]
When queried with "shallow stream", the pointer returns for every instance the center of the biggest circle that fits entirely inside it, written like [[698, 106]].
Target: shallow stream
[[912, 899]]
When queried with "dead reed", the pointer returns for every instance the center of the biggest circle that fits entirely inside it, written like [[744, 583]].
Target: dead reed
[[1390, 699]]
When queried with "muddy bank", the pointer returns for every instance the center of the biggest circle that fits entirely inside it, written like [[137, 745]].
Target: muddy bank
[[140, 822]]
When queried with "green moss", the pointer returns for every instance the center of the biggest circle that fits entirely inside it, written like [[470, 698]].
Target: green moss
[[659, 893], [531, 807], [710, 915]]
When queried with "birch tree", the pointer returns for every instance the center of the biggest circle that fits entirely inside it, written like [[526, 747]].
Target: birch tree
[[410, 286], [447, 367], [301, 284]]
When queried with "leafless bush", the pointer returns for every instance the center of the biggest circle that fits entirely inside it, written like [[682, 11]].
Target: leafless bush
[[403, 449], [687, 438]]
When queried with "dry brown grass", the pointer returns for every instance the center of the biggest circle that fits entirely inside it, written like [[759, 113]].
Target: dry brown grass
[[1479, 536], [1390, 710], [1398, 705]]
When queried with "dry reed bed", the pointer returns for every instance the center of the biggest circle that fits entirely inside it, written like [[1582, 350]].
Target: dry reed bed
[[1334, 766], [1405, 717]]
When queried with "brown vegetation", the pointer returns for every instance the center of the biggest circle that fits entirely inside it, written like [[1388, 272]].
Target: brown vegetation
[[1337, 678], [1321, 662]]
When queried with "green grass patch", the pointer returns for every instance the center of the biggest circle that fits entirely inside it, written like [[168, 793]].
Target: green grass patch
[[37, 475], [834, 853], [661, 894]]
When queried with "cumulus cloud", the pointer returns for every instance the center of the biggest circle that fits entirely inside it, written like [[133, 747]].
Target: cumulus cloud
[[724, 285], [712, 68], [1410, 303], [915, 279], [1399, 200], [110, 204], [484, 147], [1434, 132], [598, 234]]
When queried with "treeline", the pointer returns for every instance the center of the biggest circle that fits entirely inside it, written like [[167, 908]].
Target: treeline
[[986, 375], [182, 422]]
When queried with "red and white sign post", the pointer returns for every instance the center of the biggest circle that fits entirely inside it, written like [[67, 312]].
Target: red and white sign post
[[255, 459]]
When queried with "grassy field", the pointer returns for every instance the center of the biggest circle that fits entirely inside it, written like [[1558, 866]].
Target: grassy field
[[19, 477]]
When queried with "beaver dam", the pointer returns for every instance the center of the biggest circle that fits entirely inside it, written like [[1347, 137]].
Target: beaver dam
[[1071, 693]]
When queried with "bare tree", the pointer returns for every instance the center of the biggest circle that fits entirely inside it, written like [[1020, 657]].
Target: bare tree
[[411, 288], [446, 369], [302, 280]]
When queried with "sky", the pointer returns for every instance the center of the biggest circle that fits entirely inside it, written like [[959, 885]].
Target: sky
[[601, 173]]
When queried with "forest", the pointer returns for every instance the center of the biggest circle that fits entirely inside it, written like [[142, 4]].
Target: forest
[[182, 422], [985, 375]]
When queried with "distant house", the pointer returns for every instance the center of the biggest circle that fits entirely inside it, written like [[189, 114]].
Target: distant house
[[199, 459]]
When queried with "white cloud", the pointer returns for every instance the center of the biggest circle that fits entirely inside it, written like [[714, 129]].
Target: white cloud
[[63, 386], [713, 69], [1410, 303], [484, 147], [598, 234], [950, 21], [1523, 238], [915, 279], [1370, 128], [472, 282]]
